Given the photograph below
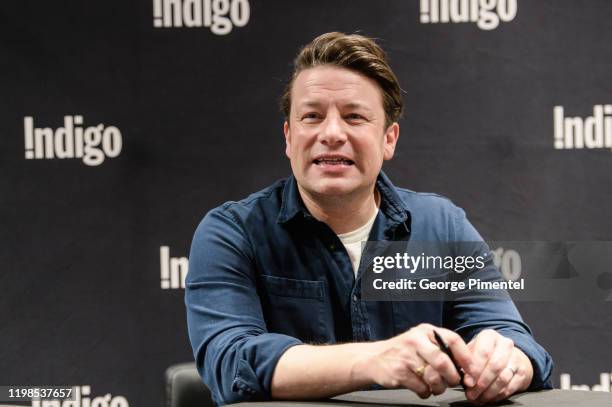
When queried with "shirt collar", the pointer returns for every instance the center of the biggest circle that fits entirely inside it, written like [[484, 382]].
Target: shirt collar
[[292, 203], [390, 202]]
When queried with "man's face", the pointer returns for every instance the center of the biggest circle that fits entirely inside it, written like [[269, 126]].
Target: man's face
[[336, 136]]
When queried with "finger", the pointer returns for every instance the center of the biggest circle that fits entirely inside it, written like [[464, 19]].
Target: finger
[[482, 347], [497, 362], [468, 379], [408, 378], [499, 384], [461, 353], [522, 376], [434, 380], [510, 389], [439, 361], [416, 384], [416, 363]]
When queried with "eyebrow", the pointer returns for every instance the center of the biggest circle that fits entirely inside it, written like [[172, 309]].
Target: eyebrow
[[350, 105], [355, 105]]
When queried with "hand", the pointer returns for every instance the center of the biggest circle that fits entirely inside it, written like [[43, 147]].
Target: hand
[[498, 369], [413, 360]]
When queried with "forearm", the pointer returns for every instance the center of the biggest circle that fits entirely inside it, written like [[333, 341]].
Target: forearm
[[319, 371]]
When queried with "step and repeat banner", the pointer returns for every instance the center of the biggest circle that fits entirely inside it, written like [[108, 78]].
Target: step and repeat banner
[[123, 122]]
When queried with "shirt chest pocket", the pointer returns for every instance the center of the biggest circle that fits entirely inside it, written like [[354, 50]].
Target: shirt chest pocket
[[296, 308]]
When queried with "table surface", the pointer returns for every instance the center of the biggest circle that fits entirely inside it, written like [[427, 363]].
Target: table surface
[[451, 398]]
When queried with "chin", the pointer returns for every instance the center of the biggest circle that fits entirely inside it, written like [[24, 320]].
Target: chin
[[334, 187]]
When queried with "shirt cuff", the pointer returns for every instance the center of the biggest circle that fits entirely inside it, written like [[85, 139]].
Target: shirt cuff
[[254, 371]]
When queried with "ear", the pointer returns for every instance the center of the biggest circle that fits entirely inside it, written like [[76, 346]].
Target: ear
[[287, 139], [390, 141]]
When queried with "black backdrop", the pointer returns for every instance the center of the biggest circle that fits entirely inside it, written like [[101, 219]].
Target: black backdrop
[[84, 298]]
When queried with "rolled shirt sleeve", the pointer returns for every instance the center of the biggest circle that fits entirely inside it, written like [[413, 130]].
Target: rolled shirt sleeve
[[470, 317], [234, 353]]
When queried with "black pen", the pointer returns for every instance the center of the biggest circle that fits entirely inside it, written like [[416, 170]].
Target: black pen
[[444, 348]]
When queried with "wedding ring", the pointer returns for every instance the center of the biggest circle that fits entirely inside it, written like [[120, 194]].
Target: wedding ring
[[419, 372]]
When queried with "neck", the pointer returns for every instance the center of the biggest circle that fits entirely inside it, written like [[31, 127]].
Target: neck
[[342, 214]]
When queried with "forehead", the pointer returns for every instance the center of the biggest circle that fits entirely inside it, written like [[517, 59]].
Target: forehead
[[332, 84]]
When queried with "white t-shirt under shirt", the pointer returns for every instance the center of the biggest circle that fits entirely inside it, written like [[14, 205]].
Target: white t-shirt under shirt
[[352, 241]]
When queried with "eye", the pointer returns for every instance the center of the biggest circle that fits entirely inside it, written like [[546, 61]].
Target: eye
[[354, 117], [310, 117]]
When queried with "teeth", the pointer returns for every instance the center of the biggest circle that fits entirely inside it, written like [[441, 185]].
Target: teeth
[[334, 161]]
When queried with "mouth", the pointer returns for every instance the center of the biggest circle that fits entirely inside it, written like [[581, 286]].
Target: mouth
[[332, 160]]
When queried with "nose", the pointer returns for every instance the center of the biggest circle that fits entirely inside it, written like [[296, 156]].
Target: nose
[[332, 131]]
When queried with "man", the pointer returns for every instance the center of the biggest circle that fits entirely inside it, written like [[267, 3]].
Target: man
[[273, 290]]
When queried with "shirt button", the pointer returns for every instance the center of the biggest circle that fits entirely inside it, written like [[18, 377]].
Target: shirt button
[[355, 297]]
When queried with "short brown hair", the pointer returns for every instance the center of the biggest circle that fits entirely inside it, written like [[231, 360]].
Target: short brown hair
[[354, 52]]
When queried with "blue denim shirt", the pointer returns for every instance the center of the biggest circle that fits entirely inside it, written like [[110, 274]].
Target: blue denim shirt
[[265, 275]]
